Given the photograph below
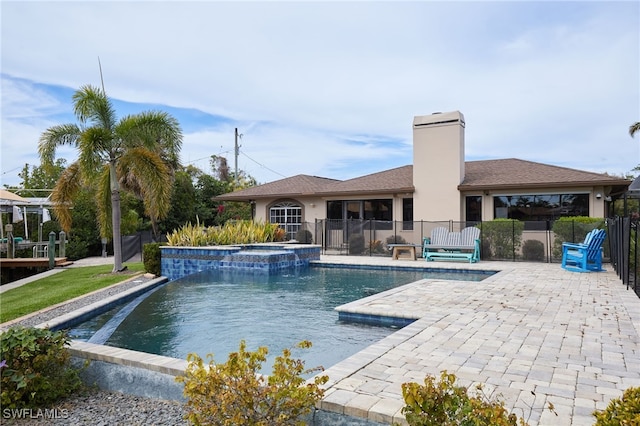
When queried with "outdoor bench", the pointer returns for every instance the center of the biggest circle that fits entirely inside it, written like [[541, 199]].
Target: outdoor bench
[[447, 245]]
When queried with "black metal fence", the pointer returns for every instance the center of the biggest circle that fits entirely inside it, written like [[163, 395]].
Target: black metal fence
[[623, 245], [501, 240], [133, 245]]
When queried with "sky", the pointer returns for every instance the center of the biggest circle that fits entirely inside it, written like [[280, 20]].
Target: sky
[[331, 88]]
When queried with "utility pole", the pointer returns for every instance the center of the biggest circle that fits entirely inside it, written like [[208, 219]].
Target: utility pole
[[237, 152]]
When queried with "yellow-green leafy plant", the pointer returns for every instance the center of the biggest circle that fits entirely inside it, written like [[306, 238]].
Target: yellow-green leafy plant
[[188, 235], [623, 411], [237, 232], [235, 393], [443, 403]]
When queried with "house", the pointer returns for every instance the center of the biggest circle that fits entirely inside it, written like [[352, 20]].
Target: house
[[439, 186]]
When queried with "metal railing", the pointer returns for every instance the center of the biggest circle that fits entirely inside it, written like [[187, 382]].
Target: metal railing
[[530, 241], [623, 245]]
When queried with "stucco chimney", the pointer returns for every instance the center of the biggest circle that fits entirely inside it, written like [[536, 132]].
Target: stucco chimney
[[438, 166]]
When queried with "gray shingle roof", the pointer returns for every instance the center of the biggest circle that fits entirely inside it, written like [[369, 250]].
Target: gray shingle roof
[[479, 175], [399, 179], [288, 187], [512, 172]]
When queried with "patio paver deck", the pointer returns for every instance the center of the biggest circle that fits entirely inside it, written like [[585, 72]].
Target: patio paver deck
[[533, 334]]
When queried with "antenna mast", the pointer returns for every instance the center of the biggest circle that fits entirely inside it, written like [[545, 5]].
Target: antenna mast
[[101, 79]]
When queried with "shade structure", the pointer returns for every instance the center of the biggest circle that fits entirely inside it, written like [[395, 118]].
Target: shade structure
[[634, 188], [10, 196]]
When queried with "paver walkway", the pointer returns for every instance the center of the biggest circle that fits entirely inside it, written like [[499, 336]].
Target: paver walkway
[[533, 333]]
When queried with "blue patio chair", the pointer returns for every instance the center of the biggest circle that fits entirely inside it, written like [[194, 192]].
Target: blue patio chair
[[586, 256]]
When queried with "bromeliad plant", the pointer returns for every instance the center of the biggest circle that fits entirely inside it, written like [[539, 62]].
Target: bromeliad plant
[[235, 393], [239, 232]]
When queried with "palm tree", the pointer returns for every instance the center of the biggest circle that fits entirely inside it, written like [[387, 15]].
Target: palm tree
[[136, 153], [634, 128]]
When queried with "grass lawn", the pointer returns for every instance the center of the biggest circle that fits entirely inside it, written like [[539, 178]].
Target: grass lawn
[[57, 288]]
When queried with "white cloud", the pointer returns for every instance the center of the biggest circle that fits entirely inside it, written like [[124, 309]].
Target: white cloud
[[554, 82]]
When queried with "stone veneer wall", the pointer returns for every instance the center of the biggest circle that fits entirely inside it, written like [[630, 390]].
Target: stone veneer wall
[[178, 262]]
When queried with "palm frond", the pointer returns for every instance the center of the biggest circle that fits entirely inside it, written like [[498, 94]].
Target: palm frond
[[145, 172], [103, 203], [53, 137], [154, 130], [95, 150], [634, 128], [64, 192], [91, 105]]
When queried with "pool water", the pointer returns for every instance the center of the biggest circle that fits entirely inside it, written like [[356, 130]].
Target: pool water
[[212, 311]]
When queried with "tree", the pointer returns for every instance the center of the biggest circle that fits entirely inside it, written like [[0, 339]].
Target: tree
[[634, 128], [41, 178], [136, 153], [183, 203]]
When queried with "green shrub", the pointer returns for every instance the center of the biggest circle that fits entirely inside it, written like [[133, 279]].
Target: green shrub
[[151, 255], [444, 403], [533, 250], [621, 411], [235, 392], [304, 236], [356, 244], [36, 367], [572, 229], [501, 237]]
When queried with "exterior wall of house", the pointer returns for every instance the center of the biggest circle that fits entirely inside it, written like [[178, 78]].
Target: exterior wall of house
[[312, 208], [438, 166]]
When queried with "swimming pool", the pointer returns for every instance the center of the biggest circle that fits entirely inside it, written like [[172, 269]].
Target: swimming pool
[[210, 312]]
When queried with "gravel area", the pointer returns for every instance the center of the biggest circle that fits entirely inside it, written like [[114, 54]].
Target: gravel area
[[93, 406], [100, 408]]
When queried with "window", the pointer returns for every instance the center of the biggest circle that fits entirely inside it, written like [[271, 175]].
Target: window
[[473, 208], [289, 216], [540, 207], [407, 214], [378, 210], [334, 210]]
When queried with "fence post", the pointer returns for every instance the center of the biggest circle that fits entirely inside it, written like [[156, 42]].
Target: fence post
[[63, 242], [513, 240], [52, 249], [371, 234], [8, 228]]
